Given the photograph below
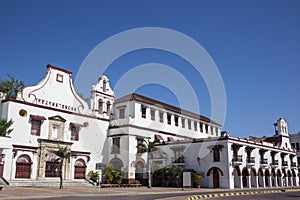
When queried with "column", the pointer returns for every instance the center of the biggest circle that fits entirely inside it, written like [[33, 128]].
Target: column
[[249, 181], [256, 180]]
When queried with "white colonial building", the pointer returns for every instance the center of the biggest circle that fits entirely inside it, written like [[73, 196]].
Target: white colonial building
[[51, 113]]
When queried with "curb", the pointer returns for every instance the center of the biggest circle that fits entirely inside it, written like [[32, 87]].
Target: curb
[[228, 194]]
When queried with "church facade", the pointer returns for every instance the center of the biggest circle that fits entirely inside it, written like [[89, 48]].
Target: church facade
[[108, 130]]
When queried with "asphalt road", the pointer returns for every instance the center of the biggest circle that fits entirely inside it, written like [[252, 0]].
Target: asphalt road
[[270, 196]]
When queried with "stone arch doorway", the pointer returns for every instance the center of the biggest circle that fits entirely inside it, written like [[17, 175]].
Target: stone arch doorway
[[52, 166], [273, 178], [79, 169], [23, 167], [215, 178]]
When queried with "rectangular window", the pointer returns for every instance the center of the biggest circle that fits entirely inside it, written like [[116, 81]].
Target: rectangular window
[[122, 113], [74, 133], [201, 127], [161, 116], [152, 112], [176, 120], [169, 118], [116, 146], [182, 122], [143, 112], [195, 126], [211, 130], [216, 154], [36, 127], [189, 124], [297, 146]]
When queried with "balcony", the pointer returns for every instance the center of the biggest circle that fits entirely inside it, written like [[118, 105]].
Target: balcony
[[250, 161], [237, 160], [284, 164], [274, 163], [264, 163], [294, 165]]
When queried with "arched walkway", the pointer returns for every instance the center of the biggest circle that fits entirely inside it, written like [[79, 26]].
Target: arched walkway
[[267, 178], [289, 177], [253, 176], [214, 174], [117, 163], [279, 178], [284, 178], [261, 182], [237, 177], [245, 178], [79, 169], [294, 178], [23, 167], [273, 178]]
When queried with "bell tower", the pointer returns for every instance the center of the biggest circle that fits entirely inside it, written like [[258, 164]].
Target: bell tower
[[281, 131], [102, 98]]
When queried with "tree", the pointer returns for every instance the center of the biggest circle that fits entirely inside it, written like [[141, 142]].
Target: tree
[[149, 148], [5, 126], [11, 86], [62, 153]]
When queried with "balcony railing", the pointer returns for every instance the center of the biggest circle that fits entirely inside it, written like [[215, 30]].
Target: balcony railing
[[237, 160], [251, 160], [284, 163], [275, 162], [264, 162], [294, 164]]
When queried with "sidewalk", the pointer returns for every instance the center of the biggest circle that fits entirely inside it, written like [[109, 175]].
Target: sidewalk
[[12, 192]]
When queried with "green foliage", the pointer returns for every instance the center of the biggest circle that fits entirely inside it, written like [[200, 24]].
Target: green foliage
[[147, 146], [11, 86], [112, 175], [94, 176], [197, 177], [169, 176], [5, 126], [136, 182]]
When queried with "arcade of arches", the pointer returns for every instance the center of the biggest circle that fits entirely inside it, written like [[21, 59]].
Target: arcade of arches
[[250, 177]]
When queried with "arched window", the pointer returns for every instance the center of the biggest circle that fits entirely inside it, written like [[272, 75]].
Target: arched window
[[100, 106], [108, 104], [80, 167], [23, 167]]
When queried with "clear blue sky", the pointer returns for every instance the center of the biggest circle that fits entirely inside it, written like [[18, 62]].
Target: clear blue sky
[[255, 45]]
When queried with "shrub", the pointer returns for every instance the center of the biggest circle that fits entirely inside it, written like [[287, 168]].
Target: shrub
[[94, 176]]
